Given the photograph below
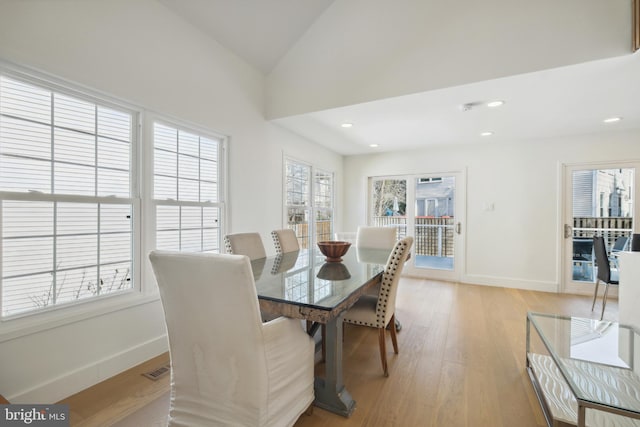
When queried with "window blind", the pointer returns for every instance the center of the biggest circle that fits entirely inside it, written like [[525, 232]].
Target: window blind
[[186, 189], [65, 198]]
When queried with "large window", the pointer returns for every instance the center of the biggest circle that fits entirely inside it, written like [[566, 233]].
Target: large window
[[308, 202], [186, 189], [72, 198], [66, 207]]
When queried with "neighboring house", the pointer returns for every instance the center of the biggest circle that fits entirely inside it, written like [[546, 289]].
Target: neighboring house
[[435, 197], [603, 193]]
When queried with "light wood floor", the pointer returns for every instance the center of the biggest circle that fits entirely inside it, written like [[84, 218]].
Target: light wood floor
[[116, 398], [461, 363]]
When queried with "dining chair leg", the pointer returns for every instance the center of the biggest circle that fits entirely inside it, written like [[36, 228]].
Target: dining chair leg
[[309, 410], [394, 339], [595, 294], [383, 351], [604, 299]]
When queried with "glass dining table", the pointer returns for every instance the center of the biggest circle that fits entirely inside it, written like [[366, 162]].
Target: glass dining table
[[302, 285]]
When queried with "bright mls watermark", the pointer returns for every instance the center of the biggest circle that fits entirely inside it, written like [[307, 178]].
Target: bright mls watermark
[[34, 415]]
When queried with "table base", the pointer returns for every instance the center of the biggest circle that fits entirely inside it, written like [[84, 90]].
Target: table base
[[339, 402], [330, 391]]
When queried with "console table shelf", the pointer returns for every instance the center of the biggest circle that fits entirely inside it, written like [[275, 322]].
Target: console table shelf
[[577, 364]]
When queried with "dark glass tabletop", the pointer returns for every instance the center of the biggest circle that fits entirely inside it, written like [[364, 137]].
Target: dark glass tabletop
[[304, 278]]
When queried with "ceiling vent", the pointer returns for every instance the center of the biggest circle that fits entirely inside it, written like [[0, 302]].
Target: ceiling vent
[[469, 106]]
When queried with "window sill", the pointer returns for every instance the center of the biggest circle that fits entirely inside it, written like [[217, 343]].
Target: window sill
[[30, 324]]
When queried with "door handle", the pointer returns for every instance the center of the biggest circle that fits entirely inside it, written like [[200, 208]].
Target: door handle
[[568, 231], [458, 228]]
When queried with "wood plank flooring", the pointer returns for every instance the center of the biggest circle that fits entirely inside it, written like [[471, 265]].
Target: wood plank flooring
[[111, 400], [461, 363]]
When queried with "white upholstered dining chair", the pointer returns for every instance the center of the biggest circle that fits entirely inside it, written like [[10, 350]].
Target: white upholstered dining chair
[[249, 244], [227, 367], [345, 236], [379, 311], [285, 241], [376, 237]]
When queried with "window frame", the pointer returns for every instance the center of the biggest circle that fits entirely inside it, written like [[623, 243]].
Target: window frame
[[66, 89], [332, 201], [144, 290], [152, 203], [313, 208]]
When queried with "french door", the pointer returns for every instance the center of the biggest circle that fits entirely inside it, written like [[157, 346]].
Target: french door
[[599, 200], [429, 208]]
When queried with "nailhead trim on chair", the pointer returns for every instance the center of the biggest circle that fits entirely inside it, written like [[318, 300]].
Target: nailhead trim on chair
[[276, 242], [227, 245], [390, 273], [276, 264]]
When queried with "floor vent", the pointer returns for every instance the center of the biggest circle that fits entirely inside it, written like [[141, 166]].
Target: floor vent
[[158, 373]]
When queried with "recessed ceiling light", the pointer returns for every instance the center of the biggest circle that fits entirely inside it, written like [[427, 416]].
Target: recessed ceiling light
[[487, 133], [347, 125], [495, 103], [373, 145], [612, 119]]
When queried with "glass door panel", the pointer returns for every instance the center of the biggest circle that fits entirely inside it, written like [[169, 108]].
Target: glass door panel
[[601, 203], [427, 207], [389, 204], [298, 221], [434, 222]]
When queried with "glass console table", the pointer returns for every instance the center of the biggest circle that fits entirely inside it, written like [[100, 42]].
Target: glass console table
[[577, 364]]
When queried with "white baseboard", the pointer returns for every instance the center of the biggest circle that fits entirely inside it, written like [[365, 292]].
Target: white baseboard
[[508, 282], [77, 380]]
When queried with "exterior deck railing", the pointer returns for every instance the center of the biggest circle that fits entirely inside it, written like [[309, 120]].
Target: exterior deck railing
[[584, 229], [433, 236], [323, 232], [608, 227]]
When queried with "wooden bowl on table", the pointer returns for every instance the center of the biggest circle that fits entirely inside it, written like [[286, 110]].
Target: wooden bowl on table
[[333, 250]]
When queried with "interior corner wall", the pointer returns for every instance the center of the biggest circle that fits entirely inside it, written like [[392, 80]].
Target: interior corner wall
[[140, 52], [364, 50], [517, 244]]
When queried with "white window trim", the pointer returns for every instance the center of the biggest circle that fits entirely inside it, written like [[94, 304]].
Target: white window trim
[[145, 290], [55, 316], [148, 173]]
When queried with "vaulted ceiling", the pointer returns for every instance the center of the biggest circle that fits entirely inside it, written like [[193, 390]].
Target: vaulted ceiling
[[416, 73], [259, 31]]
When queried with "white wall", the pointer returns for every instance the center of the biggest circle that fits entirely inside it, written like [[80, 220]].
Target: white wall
[[363, 50], [141, 53], [518, 243]]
